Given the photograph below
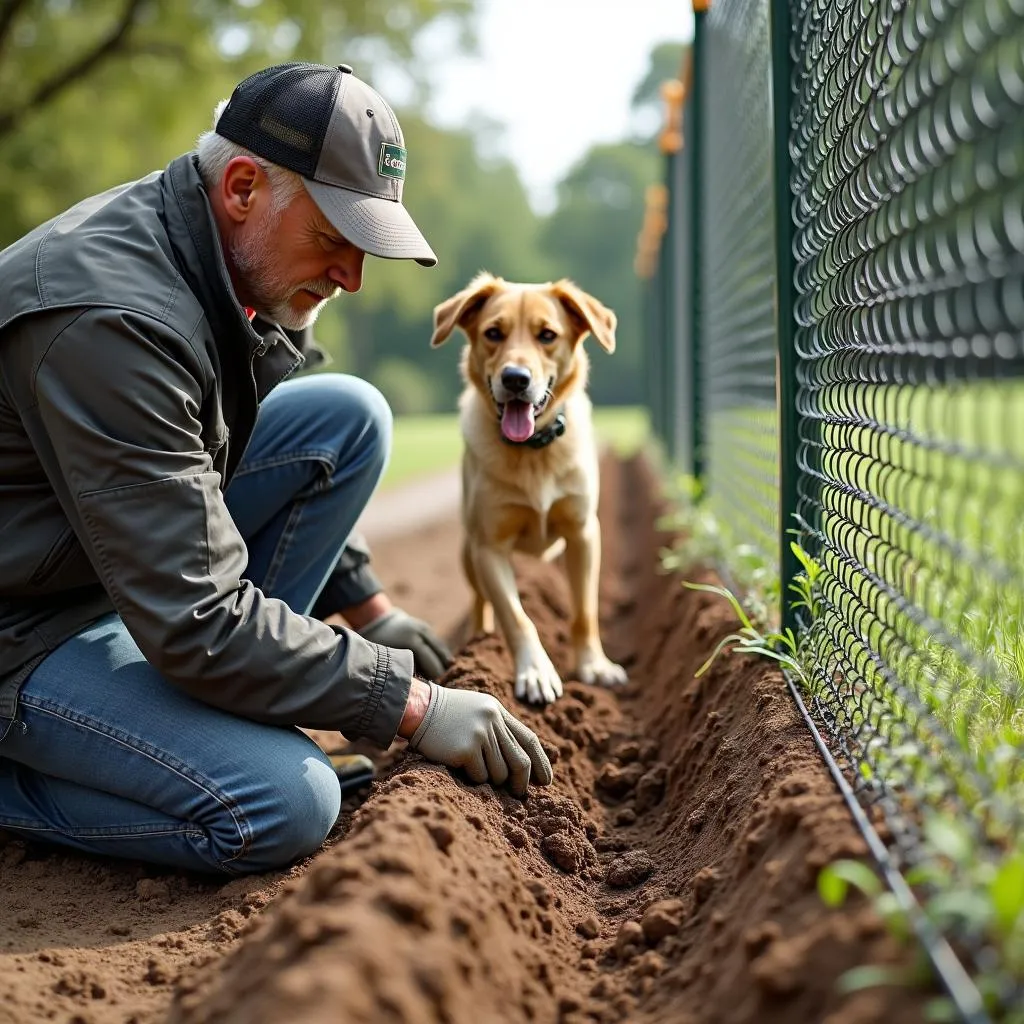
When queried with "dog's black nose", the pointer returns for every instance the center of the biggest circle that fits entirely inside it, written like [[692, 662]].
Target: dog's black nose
[[515, 379]]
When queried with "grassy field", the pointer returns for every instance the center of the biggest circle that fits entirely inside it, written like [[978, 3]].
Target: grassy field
[[430, 444]]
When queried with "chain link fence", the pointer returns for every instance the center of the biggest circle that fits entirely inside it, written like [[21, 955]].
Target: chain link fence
[[850, 317], [736, 338]]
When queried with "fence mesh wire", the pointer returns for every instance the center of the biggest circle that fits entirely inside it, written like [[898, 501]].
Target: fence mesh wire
[[906, 145], [908, 178], [736, 358]]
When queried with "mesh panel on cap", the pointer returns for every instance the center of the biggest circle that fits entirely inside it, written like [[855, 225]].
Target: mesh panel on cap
[[282, 113]]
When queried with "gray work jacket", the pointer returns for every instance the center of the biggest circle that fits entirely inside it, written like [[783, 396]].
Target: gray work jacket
[[129, 383]]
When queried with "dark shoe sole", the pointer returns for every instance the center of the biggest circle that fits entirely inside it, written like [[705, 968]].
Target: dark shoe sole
[[354, 771]]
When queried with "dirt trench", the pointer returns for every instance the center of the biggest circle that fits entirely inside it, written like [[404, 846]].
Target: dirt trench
[[668, 874]]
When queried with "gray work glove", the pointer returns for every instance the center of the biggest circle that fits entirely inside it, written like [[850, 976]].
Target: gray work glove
[[398, 629], [469, 730]]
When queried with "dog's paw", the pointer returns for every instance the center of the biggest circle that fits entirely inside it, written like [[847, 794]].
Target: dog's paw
[[537, 682], [597, 670]]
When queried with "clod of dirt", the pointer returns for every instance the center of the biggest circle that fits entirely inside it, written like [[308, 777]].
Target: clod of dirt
[[611, 844], [589, 927], [650, 790], [152, 889], [618, 781], [157, 973], [630, 869], [625, 816], [631, 750], [661, 920], [629, 939], [516, 837], [628, 751], [650, 965], [541, 893], [704, 883], [565, 851]]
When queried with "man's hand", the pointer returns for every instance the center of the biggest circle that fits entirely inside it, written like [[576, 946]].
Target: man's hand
[[396, 628], [469, 730]]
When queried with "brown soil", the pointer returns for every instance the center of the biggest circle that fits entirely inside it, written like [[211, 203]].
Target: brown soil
[[668, 874]]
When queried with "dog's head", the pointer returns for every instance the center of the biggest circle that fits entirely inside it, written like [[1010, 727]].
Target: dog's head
[[524, 351]]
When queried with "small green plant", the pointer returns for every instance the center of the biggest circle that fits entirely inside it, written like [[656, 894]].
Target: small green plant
[[702, 540], [779, 645], [835, 880]]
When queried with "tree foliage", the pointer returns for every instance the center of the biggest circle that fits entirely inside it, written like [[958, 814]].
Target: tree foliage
[[93, 92], [96, 92]]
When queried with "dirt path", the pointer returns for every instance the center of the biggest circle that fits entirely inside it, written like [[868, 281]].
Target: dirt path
[[410, 507], [667, 874]]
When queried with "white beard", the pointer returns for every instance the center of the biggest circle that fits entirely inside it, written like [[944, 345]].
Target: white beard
[[254, 260]]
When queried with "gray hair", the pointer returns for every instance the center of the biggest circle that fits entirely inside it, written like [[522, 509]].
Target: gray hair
[[215, 153]]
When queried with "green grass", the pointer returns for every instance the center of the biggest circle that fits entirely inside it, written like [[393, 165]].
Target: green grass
[[425, 445]]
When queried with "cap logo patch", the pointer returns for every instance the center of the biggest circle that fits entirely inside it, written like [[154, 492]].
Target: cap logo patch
[[392, 161]]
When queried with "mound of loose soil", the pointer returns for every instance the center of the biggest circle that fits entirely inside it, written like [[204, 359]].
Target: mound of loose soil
[[94, 941], [668, 874]]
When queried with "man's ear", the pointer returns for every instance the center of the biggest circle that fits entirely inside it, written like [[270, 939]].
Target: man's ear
[[460, 308], [242, 176], [587, 313]]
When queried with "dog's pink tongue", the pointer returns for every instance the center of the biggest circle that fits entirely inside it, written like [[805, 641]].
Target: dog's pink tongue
[[517, 420]]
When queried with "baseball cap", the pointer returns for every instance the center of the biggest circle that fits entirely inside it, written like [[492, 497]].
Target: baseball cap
[[331, 128]]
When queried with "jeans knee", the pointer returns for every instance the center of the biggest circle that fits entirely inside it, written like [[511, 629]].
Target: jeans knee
[[366, 417], [299, 811]]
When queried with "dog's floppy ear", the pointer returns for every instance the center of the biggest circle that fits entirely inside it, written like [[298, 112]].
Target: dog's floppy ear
[[587, 313], [457, 311]]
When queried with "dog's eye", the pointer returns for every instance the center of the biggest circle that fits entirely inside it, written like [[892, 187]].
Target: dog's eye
[[547, 335], [493, 334]]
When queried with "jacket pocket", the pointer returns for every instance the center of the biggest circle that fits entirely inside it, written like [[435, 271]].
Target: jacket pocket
[[215, 441], [65, 566]]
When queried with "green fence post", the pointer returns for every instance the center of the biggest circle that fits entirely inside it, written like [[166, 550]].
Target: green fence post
[[658, 349], [694, 146], [789, 425], [669, 297]]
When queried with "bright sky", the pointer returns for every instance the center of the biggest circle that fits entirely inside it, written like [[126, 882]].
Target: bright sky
[[558, 73]]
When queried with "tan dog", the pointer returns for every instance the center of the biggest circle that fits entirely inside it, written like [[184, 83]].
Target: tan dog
[[529, 466]]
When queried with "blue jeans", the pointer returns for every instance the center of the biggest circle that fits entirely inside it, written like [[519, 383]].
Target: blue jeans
[[108, 757]]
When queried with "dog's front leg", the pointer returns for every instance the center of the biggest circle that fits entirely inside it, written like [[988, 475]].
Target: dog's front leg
[[536, 678], [583, 562], [483, 613]]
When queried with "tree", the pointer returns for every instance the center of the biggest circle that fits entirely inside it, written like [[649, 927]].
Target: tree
[[93, 92], [591, 237]]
